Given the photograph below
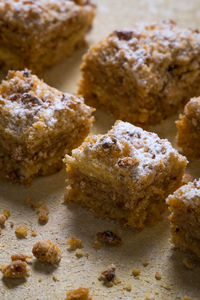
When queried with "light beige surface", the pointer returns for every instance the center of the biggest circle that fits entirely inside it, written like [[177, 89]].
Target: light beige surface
[[151, 244]]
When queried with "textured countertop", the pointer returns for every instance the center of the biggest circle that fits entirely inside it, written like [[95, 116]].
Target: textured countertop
[[152, 244]]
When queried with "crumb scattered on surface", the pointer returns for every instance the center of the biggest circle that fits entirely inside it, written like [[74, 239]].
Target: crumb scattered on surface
[[47, 251], [97, 245], [145, 263], [158, 276], [79, 253], [21, 231], [15, 269], [2, 220], [188, 263], [79, 294], [127, 287], [33, 233], [109, 238], [40, 279], [4, 216], [11, 224], [21, 257], [136, 272], [41, 209], [74, 243], [55, 278], [108, 275]]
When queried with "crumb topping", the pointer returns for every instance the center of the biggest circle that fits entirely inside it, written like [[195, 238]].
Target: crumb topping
[[74, 243], [47, 251], [15, 269], [21, 231]]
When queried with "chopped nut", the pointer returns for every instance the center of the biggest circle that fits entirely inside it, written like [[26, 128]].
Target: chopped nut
[[109, 238], [15, 269], [21, 257], [188, 263], [79, 253], [97, 245], [79, 294], [108, 275], [33, 233], [47, 251], [21, 231], [158, 276], [136, 272], [74, 243], [145, 263], [127, 287]]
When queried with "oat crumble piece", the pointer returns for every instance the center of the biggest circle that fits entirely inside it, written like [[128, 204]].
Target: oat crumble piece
[[143, 74], [21, 231], [184, 206], [78, 294], [39, 33], [136, 272], [15, 269], [188, 126], [128, 172], [38, 126], [108, 275], [109, 238], [47, 251], [74, 243]]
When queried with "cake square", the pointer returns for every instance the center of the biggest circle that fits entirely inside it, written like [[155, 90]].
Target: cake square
[[38, 126], [125, 174], [184, 206], [143, 74], [37, 34], [188, 125]]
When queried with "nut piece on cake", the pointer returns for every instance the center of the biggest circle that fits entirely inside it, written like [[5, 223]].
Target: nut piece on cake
[[125, 174], [38, 126], [184, 205], [188, 127], [37, 34], [143, 74]]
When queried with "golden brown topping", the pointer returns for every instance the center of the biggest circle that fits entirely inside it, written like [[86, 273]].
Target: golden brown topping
[[47, 251], [21, 231], [109, 238], [74, 243], [21, 257], [109, 274], [136, 272], [15, 269], [79, 294]]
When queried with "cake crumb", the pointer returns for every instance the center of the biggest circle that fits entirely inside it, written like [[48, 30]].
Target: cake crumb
[[55, 278], [47, 251], [136, 272], [108, 275], [41, 210], [4, 216], [188, 263], [145, 263], [97, 245], [109, 238], [11, 224], [21, 231], [79, 253], [74, 243], [78, 294], [15, 269], [158, 276], [21, 257], [127, 287], [33, 233]]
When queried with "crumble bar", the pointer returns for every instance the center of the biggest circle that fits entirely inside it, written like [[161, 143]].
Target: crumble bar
[[188, 126], [184, 206], [38, 125], [143, 74], [125, 174], [38, 34]]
